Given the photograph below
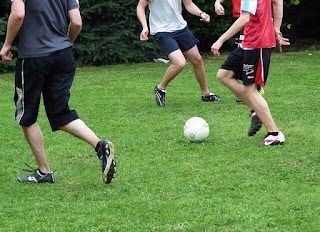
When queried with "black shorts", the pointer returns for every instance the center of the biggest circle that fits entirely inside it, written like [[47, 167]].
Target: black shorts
[[172, 41], [51, 76], [250, 66]]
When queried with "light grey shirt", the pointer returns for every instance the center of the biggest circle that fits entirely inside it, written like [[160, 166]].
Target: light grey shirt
[[165, 16]]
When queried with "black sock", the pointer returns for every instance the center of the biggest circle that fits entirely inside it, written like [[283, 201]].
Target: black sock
[[273, 133], [42, 172], [97, 147]]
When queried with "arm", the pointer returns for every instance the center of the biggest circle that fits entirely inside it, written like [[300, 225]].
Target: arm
[[75, 24], [277, 21], [234, 29], [14, 24], [141, 14], [194, 9], [219, 9]]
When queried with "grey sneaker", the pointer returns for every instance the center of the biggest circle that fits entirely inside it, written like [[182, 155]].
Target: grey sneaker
[[105, 152], [255, 125], [211, 97], [37, 178], [160, 96]]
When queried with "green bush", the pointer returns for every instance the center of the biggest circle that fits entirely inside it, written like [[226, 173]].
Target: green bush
[[110, 34], [111, 30]]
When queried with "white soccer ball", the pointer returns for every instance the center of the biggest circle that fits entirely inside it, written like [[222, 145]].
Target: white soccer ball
[[196, 129]]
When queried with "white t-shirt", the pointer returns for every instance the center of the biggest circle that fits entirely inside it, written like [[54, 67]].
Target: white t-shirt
[[165, 16]]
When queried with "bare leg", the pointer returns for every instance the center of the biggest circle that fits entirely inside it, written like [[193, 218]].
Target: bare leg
[[178, 62], [79, 129], [250, 96], [196, 60], [34, 138]]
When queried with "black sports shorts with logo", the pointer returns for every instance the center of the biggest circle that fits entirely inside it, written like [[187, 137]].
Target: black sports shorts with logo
[[250, 66], [51, 76]]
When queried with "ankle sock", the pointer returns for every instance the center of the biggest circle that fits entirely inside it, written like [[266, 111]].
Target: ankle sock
[[97, 147], [273, 133], [41, 173]]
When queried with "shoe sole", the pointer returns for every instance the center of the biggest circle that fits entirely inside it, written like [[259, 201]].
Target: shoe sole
[[110, 160], [275, 143], [158, 97]]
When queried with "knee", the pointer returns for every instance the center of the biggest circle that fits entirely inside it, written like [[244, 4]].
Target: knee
[[221, 76], [180, 64], [197, 60]]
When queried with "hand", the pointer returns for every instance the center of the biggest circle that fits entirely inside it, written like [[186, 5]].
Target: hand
[[205, 17], [281, 41], [215, 48], [144, 34], [218, 8], [6, 53]]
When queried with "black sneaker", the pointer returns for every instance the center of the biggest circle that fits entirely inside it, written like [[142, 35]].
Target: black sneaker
[[256, 124], [160, 96], [271, 140], [37, 178], [105, 152], [211, 97]]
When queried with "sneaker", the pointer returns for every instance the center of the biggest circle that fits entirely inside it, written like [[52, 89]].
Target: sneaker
[[256, 124], [105, 152], [37, 178], [270, 140], [160, 96], [211, 97]]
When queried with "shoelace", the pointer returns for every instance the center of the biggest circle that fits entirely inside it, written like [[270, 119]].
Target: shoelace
[[31, 169]]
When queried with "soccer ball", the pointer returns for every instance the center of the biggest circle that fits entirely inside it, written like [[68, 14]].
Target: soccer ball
[[196, 129]]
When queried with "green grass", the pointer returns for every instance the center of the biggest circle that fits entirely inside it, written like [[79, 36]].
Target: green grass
[[164, 182]]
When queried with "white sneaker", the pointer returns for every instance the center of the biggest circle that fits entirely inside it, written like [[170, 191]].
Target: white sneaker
[[270, 140]]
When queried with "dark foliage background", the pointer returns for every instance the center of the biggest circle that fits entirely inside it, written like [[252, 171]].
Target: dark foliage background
[[111, 30]]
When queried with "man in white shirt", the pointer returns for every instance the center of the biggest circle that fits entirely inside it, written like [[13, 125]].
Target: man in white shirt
[[175, 40]]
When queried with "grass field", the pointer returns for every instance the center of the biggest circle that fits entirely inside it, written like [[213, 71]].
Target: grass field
[[164, 182]]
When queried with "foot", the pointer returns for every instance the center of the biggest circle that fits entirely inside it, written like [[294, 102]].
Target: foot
[[255, 124], [160, 96], [211, 97], [271, 140], [105, 153], [37, 178]]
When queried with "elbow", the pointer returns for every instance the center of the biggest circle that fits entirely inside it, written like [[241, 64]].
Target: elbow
[[245, 20], [77, 24], [18, 16]]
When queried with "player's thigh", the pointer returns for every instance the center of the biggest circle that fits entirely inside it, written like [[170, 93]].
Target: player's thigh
[[29, 78], [193, 55]]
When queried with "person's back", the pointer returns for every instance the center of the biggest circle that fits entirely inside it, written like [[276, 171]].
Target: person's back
[[45, 27]]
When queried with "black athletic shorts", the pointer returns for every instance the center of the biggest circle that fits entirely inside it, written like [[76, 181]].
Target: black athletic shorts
[[250, 66], [51, 76], [172, 41]]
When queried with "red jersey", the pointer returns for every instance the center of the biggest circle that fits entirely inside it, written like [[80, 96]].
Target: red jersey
[[236, 8], [259, 31]]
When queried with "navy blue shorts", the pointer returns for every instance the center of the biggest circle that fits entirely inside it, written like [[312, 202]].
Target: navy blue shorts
[[250, 66], [51, 76], [172, 41]]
